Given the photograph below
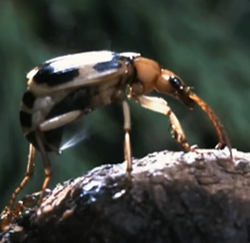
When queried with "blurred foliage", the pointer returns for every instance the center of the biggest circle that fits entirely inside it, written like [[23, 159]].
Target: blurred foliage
[[205, 42]]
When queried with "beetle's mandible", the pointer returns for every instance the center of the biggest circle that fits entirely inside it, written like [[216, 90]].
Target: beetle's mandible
[[65, 88]]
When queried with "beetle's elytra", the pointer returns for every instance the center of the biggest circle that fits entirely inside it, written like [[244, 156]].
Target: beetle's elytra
[[65, 88]]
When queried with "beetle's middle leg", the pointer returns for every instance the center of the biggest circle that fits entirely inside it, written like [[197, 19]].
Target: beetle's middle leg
[[127, 145], [161, 106], [46, 165], [47, 125]]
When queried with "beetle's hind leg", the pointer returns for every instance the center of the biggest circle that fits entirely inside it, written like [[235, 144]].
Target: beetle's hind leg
[[127, 145], [161, 106], [7, 214], [28, 174]]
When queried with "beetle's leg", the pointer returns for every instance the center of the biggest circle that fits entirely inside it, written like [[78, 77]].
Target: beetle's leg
[[7, 214], [46, 126], [6, 217], [27, 200], [127, 146], [60, 121], [161, 106], [28, 174], [46, 165]]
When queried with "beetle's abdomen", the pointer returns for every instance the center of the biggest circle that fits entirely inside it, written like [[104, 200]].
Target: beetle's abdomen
[[51, 139], [25, 114], [77, 100]]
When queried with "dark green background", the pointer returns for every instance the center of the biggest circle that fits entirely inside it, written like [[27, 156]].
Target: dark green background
[[204, 42]]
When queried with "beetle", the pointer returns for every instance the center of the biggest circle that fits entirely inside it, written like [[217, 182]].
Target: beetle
[[63, 89]]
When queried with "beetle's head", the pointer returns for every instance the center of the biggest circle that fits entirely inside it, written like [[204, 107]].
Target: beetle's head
[[171, 84]]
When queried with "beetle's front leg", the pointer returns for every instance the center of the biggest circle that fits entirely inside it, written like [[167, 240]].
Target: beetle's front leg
[[161, 106]]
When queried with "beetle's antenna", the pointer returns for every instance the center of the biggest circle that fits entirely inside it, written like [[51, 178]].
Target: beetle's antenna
[[215, 121]]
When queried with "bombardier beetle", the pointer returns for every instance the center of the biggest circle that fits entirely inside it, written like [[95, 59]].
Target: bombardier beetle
[[63, 89]]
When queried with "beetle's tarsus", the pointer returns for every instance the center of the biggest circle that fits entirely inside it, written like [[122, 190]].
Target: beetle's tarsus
[[128, 182], [218, 146], [180, 139], [7, 216], [194, 147]]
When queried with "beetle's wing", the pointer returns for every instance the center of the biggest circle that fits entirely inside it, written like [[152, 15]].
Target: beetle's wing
[[78, 70]]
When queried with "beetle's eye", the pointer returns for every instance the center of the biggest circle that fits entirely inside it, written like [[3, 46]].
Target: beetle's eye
[[175, 82]]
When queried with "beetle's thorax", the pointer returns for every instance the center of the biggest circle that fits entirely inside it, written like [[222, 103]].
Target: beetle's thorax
[[147, 73], [115, 89]]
